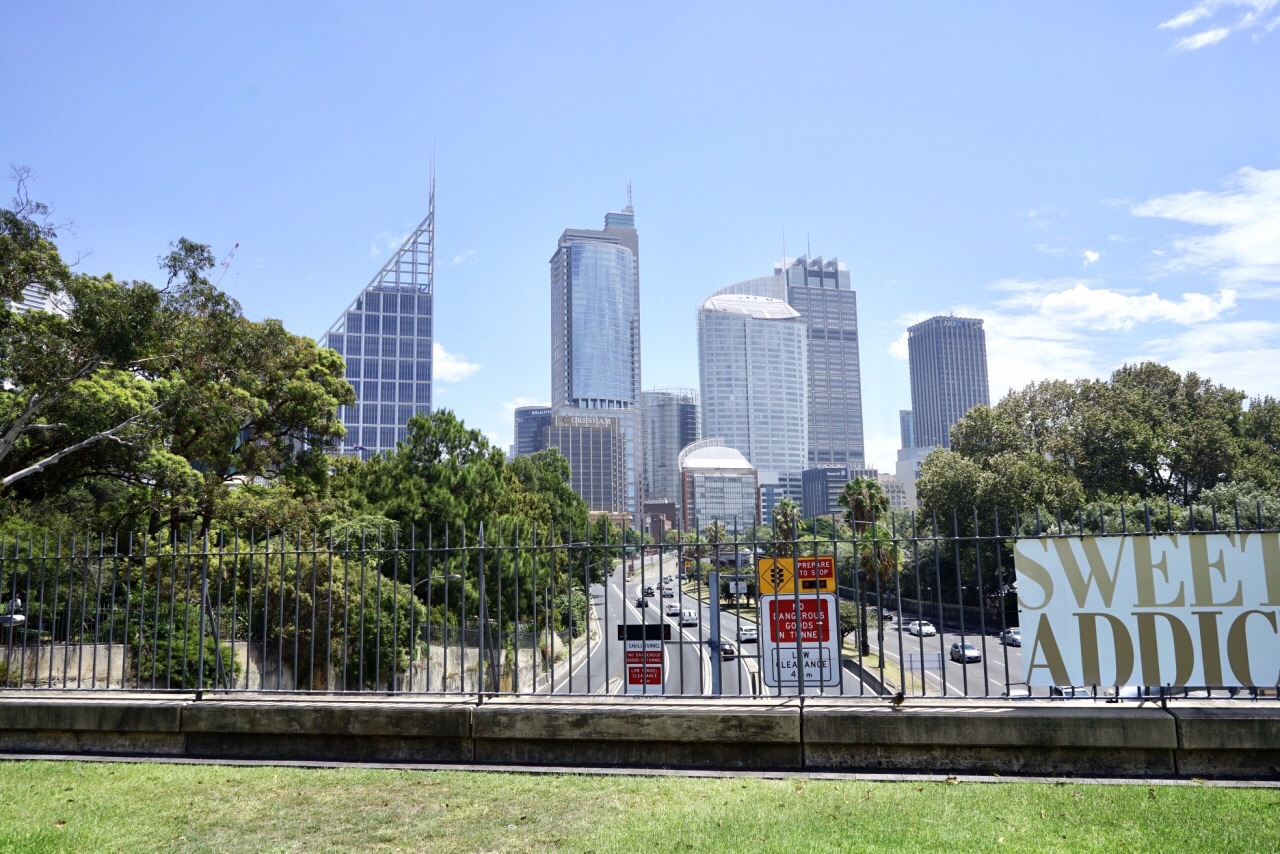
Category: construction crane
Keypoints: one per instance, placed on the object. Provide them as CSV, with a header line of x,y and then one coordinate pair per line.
x,y
226,262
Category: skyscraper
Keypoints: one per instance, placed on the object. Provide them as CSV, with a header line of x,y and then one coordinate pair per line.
x,y
385,336
948,358
670,420
753,367
531,426
821,292
595,350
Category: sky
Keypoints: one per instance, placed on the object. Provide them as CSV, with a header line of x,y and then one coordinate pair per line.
x,y
1098,181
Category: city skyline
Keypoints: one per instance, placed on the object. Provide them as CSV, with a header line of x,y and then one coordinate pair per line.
x,y
1100,183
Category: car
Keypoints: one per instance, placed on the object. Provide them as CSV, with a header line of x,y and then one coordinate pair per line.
x,y
1068,692
642,602
1017,691
1136,692
667,579
648,591
668,593
747,634
672,609
728,650
921,628
965,652
886,614
1011,637
688,617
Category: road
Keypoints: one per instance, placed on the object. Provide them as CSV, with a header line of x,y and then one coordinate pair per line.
x,y
1000,666
688,655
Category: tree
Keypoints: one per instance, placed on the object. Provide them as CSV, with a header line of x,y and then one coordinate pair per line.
x,y
865,502
786,521
28,256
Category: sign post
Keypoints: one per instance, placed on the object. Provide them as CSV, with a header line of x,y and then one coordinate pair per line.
x,y
803,650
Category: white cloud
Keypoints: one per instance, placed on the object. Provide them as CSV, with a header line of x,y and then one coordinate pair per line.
x,y
1091,257
386,243
1255,14
1187,18
898,349
1100,309
1204,39
463,257
1240,354
1244,248
450,367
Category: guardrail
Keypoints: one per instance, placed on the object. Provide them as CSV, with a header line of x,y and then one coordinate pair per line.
x,y
499,611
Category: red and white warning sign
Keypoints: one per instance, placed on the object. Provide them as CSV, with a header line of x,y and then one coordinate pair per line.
x,y
807,649
644,666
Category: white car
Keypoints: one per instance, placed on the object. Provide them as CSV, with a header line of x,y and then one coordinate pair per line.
x,y
1011,637
921,628
672,609
747,634
688,618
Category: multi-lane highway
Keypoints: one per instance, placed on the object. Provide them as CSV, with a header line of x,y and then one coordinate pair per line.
x,y
689,656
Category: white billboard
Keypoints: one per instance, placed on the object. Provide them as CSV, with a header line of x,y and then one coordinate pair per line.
x,y
1151,609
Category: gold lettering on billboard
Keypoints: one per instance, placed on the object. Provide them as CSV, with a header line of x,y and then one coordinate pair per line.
x,y
1144,569
1202,581
1097,570
1030,570
1271,567
1157,609
1089,653
1184,656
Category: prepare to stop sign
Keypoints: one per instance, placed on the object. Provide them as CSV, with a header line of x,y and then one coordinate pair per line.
x,y
815,620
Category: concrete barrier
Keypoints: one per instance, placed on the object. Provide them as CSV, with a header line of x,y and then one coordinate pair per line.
x,y
1001,738
1236,739
668,733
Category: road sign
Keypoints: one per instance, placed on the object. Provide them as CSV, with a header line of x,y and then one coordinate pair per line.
x,y
815,620
923,661
808,647
780,575
644,666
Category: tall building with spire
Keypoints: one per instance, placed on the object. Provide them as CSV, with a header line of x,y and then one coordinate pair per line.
x,y
595,362
385,336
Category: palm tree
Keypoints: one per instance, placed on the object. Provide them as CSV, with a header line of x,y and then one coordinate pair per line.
x,y
879,560
786,521
865,502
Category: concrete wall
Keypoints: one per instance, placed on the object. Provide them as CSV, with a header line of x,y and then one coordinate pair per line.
x,y
1236,739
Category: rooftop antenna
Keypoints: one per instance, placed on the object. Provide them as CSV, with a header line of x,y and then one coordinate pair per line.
x,y
808,252
628,195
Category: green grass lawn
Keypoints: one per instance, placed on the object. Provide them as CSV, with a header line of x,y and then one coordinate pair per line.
x,y
70,806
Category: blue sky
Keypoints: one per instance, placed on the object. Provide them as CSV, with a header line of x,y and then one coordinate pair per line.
x,y
1100,181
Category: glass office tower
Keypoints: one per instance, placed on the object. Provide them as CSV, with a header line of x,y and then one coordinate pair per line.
x,y
531,426
595,350
820,290
753,367
948,359
671,420
385,337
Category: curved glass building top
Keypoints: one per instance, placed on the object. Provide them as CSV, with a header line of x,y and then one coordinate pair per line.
x,y
753,365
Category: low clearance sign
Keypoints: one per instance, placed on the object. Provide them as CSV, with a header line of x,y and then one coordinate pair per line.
x,y
1174,609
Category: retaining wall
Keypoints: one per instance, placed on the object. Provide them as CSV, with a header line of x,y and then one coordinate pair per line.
x,y
1236,739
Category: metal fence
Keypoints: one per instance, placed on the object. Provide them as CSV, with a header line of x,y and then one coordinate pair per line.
x,y
507,611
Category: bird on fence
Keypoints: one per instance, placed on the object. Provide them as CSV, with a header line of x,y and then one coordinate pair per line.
x,y
898,700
